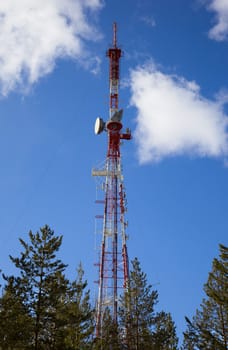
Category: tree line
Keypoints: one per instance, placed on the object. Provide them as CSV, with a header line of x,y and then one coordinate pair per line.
x,y
41,309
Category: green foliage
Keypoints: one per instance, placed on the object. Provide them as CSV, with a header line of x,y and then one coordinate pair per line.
x,y
15,321
41,283
209,327
77,314
164,332
40,308
110,334
144,329
138,313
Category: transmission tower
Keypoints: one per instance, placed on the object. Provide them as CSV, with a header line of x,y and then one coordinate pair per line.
x,y
113,260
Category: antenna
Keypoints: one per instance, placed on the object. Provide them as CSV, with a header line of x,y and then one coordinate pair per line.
x,y
114,54
114,35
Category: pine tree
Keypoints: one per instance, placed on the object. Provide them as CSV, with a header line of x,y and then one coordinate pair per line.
x,y
15,321
40,284
142,327
209,328
137,310
110,335
40,308
77,315
164,332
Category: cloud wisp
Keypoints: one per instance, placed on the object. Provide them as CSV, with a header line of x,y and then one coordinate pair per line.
x,y
33,34
174,119
219,31
148,20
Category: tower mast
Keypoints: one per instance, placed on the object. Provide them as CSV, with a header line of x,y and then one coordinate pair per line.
x,y
113,260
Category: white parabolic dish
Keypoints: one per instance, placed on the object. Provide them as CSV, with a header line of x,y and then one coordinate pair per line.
x,y
99,126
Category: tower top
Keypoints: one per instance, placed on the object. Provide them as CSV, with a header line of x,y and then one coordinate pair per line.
x,y
114,124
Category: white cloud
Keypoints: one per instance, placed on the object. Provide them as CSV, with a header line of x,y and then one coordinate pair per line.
x,y
34,33
149,20
220,30
174,119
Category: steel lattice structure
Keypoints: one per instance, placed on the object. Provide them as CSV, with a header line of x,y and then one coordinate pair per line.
x,y
113,263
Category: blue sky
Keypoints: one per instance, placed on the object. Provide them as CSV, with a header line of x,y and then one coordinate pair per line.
x,y
174,92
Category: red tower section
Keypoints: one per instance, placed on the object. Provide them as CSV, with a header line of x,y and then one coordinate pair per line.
x,y
113,261
114,54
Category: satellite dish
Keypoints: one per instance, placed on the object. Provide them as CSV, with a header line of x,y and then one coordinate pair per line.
x,y
99,126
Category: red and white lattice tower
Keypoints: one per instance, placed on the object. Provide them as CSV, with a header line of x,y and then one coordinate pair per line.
x,y
113,263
